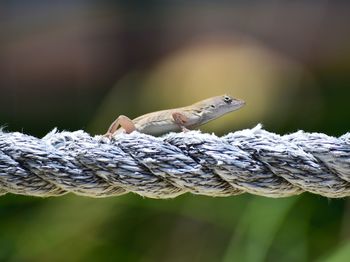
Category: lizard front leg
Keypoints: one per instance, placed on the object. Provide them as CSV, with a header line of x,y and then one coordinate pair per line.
x,y
181,120
123,121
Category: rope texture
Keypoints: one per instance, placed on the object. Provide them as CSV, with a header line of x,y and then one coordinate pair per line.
x,y
251,160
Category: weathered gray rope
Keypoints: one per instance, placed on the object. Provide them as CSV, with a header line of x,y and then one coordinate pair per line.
x,y
251,160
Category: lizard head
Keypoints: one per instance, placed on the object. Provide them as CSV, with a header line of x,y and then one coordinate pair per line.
x,y
217,106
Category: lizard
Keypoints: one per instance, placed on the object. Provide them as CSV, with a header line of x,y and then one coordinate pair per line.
x,y
177,119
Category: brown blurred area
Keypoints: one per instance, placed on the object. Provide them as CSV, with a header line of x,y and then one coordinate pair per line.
x,y
78,64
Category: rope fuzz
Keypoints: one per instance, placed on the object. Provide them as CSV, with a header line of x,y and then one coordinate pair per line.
x,y
251,160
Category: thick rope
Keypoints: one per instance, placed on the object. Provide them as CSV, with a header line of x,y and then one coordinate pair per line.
x,y
251,160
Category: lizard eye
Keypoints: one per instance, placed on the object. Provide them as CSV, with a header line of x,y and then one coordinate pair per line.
x,y
227,99
212,106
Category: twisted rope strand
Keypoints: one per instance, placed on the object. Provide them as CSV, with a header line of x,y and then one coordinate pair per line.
x,y
251,160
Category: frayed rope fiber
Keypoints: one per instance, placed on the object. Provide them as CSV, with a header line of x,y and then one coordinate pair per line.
x,y
252,160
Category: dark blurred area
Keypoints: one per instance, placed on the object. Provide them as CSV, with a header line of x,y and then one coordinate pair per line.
x,y
79,64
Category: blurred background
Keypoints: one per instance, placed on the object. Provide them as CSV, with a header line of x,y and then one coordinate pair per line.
x,y
79,64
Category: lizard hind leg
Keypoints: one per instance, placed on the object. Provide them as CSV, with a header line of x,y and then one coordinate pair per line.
x,y
123,121
181,120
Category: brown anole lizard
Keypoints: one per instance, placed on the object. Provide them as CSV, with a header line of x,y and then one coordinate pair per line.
x,y
178,119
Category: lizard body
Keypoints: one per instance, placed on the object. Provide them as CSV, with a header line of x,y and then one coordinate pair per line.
x,y
178,119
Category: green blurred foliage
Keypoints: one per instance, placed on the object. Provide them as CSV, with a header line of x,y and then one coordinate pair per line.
x,y
80,65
